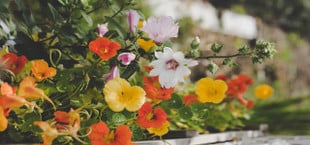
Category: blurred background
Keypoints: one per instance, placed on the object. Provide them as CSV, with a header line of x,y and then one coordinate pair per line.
x,y
237,22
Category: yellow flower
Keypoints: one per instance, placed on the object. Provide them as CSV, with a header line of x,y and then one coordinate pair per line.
x,y
3,120
27,89
263,91
160,131
145,45
120,95
209,90
41,71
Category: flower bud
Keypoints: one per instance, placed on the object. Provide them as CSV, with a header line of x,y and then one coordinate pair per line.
x,y
102,29
195,43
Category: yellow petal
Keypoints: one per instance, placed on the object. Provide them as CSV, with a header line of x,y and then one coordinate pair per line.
x,y
160,131
209,90
135,98
263,91
49,133
145,45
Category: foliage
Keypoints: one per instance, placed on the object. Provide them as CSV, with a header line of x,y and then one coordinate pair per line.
x,y
85,78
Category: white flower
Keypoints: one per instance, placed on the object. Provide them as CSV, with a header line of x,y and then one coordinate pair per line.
x,y
161,29
171,67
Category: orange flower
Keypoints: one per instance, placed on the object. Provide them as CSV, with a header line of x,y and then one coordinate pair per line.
x,y
101,135
41,71
61,116
14,63
154,90
3,120
9,100
263,91
189,99
247,103
149,118
238,85
28,90
105,48
49,133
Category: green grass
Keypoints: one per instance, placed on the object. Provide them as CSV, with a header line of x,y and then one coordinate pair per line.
x,y
286,116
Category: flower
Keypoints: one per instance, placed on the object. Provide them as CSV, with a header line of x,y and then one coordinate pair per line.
x,y
147,117
49,133
114,73
101,135
61,116
119,94
171,67
27,89
105,48
133,19
161,29
102,29
160,131
235,87
189,99
3,120
209,90
263,91
9,100
154,90
126,57
41,71
247,103
146,45
13,62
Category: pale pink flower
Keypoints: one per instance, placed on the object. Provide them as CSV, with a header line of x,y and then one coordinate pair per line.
x,y
171,67
102,29
126,58
114,73
133,19
161,29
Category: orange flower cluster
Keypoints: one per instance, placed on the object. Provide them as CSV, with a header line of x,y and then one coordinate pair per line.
x,y
100,134
105,48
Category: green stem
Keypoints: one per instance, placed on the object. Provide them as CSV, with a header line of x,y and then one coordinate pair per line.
x,y
223,56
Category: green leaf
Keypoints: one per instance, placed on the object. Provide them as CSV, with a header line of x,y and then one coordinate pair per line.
x,y
118,119
185,112
53,11
87,18
130,70
175,101
120,30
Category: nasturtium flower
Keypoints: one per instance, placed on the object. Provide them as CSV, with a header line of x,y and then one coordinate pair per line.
x,y
119,94
102,29
27,89
13,62
161,29
171,67
154,90
247,103
235,87
159,131
189,99
209,90
41,70
126,58
263,91
147,117
3,120
133,20
146,45
100,134
103,47
49,133
9,100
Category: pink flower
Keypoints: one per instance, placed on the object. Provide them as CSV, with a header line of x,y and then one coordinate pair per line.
x,y
133,19
114,73
161,29
102,29
126,58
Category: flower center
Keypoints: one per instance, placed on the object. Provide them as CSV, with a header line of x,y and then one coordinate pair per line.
x,y
149,116
104,50
108,137
172,64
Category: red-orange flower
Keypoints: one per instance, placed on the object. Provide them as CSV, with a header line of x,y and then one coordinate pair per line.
x,y
61,116
101,135
247,103
189,99
235,87
14,63
103,47
148,118
154,90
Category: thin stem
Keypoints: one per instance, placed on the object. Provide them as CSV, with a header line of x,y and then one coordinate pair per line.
x,y
223,56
